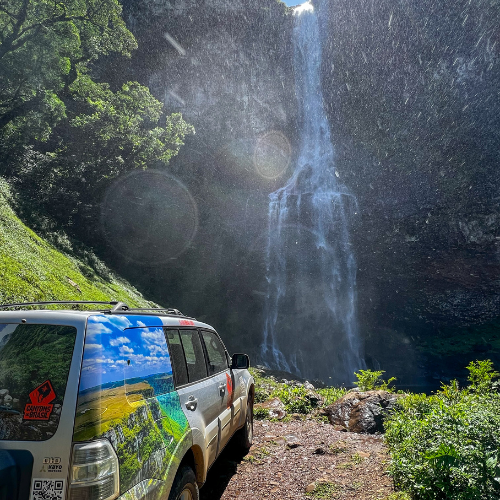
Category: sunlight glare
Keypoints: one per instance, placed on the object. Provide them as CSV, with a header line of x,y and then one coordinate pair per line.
x,y
304,7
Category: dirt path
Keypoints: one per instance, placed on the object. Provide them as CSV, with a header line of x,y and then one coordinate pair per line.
x,y
289,458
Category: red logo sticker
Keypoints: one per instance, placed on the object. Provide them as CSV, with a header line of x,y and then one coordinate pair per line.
x,y
40,407
230,395
186,322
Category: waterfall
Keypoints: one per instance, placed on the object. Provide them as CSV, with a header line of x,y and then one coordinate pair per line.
x,y
310,314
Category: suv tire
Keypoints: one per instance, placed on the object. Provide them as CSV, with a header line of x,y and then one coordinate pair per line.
x,y
184,486
244,436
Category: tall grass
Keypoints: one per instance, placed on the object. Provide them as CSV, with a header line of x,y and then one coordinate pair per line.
x,y
33,270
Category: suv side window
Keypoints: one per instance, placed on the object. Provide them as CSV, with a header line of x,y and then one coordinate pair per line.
x,y
216,353
177,356
193,353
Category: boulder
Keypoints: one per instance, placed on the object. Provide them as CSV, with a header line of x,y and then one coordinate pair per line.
x,y
362,412
292,441
314,398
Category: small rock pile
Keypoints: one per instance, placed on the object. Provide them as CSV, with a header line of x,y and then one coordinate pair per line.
x,y
276,408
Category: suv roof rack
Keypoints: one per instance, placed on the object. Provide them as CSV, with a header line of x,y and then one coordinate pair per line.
x,y
51,302
118,307
168,310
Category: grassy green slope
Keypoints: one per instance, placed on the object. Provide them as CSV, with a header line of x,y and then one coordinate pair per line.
x,y
33,270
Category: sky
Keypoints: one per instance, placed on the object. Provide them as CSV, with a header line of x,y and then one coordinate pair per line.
x,y
293,3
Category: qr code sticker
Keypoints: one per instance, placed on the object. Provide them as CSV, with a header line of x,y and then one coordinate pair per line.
x,y
48,489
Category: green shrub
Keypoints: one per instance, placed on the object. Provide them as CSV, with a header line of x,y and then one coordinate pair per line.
x,y
399,495
331,394
324,490
264,386
261,395
295,399
260,413
369,380
447,446
481,375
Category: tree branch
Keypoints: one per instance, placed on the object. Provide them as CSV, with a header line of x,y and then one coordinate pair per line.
x,y
18,110
8,40
20,36
10,14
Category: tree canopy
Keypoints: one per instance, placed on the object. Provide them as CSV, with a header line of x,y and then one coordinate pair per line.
x,y
44,47
63,135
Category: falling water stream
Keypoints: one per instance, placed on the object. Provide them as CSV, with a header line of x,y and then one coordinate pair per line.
x,y
310,314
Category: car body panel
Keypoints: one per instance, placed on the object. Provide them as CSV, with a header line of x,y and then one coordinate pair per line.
x,y
51,458
225,392
203,420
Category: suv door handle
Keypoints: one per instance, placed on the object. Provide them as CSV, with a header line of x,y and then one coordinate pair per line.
x,y
222,389
191,403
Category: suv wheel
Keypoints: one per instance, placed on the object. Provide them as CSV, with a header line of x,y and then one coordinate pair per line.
x,y
185,486
245,435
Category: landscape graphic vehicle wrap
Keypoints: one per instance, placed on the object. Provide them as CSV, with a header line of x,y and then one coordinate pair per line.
x,y
127,395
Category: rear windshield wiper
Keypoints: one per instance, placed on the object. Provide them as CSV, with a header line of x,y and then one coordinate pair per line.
x,y
9,411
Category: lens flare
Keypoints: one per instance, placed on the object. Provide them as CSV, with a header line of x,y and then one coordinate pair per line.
x,y
272,154
149,217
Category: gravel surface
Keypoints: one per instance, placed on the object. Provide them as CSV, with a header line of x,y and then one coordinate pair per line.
x,y
291,459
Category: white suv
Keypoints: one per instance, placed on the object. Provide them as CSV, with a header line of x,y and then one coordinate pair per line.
x,y
115,403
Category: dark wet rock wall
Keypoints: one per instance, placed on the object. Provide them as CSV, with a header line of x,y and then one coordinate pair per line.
x,y
227,67
413,102
412,94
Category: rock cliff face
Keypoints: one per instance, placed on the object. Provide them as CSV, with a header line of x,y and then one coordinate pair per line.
x,y
411,93
413,102
227,66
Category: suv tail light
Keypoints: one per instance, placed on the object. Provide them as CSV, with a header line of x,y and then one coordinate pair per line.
x,y
94,471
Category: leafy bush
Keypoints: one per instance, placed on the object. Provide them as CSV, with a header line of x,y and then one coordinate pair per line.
x,y
447,446
261,395
264,386
369,380
481,375
294,396
296,399
331,394
260,413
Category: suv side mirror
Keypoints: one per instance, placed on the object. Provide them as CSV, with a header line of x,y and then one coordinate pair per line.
x,y
240,361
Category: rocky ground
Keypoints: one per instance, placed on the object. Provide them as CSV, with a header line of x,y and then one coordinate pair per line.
x,y
301,460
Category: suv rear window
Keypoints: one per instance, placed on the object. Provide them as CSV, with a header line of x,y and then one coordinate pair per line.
x,y
34,367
